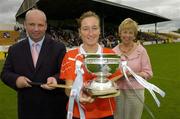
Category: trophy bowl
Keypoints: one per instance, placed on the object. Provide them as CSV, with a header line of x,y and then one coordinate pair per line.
x,y
102,65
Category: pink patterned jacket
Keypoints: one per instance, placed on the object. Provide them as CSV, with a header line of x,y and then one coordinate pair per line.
x,y
138,60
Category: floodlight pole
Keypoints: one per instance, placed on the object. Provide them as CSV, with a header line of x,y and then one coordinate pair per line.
x,y
155,28
102,24
156,33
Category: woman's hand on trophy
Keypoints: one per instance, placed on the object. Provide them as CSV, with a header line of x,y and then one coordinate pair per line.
x,y
85,98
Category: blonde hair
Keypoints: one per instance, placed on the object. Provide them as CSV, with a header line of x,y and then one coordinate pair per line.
x,y
128,23
87,14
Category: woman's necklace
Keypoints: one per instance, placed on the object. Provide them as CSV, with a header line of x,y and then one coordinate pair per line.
x,y
126,49
93,49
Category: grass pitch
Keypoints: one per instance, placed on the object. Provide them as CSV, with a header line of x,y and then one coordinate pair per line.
x,y
165,59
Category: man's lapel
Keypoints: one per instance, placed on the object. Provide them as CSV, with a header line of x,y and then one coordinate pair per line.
x,y
27,54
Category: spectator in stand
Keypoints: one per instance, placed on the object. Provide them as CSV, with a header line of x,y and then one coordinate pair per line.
x,y
128,104
31,65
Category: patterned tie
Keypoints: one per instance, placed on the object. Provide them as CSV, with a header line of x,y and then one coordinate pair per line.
x,y
35,53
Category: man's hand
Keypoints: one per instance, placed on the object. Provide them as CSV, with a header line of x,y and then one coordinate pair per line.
x,y
50,80
22,82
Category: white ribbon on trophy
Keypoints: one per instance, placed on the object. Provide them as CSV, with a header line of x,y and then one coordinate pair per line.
x,y
150,87
75,91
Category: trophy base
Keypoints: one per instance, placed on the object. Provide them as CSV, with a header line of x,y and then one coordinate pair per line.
x,y
109,95
102,90
103,94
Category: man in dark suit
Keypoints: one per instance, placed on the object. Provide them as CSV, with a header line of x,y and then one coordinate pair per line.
x,y
30,78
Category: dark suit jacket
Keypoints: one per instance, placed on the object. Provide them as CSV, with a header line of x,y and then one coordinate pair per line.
x,y
35,102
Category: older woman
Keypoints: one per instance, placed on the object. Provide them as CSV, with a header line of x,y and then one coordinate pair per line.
x,y
89,31
128,104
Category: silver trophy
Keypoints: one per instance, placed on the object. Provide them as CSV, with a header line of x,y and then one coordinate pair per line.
x,y
102,65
